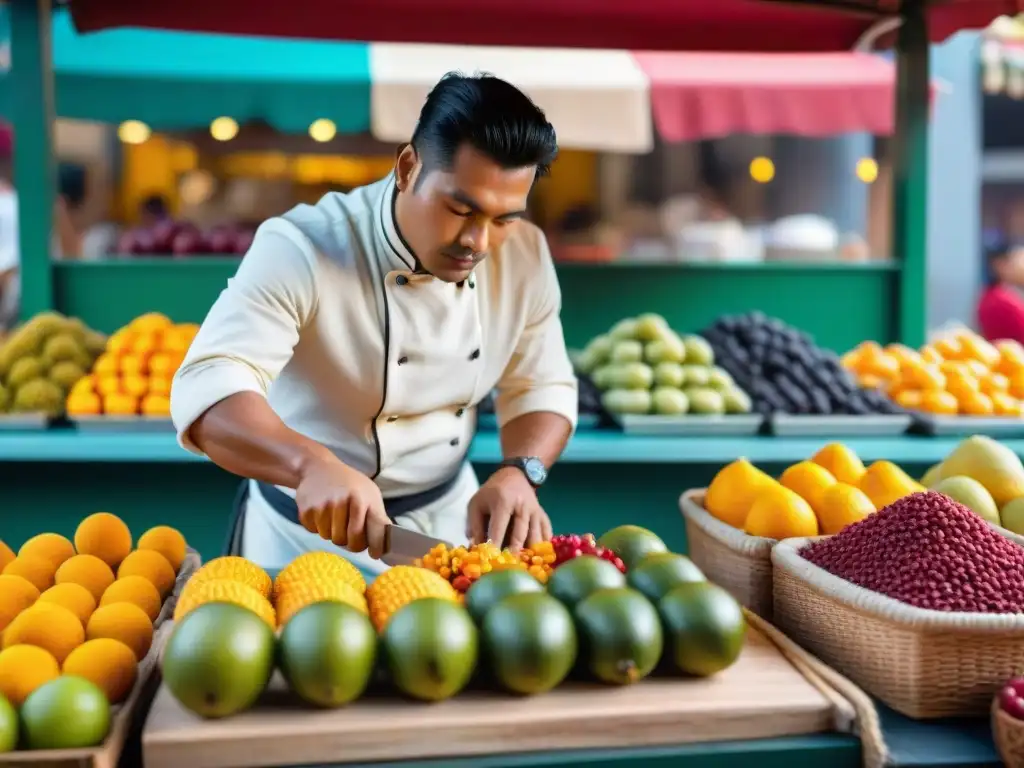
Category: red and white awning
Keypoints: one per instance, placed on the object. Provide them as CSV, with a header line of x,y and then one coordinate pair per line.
x,y
604,100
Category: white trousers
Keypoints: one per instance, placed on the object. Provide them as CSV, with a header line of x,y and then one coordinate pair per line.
x,y
271,541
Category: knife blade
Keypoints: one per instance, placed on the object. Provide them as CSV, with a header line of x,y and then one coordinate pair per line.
x,y
402,546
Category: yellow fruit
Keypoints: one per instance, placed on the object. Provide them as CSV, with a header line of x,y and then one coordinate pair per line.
x,y
125,622
137,590
151,565
33,569
733,491
48,626
151,322
48,546
6,556
74,597
106,536
399,586
318,565
842,463
843,505
236,569
883,482
16,594
89,571
781,514
810,481
308,593
992,464
108,663
23,668
197,593
168,542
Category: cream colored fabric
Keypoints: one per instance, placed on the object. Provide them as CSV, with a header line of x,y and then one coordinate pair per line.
x,y
596,99
327,319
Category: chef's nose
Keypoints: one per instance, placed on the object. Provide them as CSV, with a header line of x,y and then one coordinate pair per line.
x,y
474,236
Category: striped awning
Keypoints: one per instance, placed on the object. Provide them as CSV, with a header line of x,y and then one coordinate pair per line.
x,y
604,100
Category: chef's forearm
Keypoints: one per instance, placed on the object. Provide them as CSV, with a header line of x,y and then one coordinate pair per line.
x,y
541,433
244,436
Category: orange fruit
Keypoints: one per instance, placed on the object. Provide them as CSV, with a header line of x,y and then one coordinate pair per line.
x,y
83,404
135,385
1011,354
841,462
48,626
106,365
871,381
108,663
23,668
156,405
146,344
1005,405
976,404
949,348
104,535
994,382
16,594
108,385
133,365
809,481
6,555
935,401
925,376
1017,384
843,505
903,354
909,398
150,322
151,565
137,590
120,343
977,348
74,597
85,385
159,386
978,369
779,513
49,546
930,355
121,405
168,541
36,570
88,571
165,364
125,622
884,366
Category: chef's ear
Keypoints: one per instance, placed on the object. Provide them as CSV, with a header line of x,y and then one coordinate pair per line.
x,y
406,165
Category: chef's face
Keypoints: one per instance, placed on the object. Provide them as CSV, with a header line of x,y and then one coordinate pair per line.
x,y
453,218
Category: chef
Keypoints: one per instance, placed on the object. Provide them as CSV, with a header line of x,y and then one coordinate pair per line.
x,y
340,369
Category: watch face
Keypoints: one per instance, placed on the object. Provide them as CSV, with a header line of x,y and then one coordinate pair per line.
x,y
535,471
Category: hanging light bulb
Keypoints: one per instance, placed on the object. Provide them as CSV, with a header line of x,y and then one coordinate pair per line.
x,y
322,130
867,170
133,132
223,129
762,170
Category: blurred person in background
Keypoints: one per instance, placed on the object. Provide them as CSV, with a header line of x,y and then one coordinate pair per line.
x,y
1001,307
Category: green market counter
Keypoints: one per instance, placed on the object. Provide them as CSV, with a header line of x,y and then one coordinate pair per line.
x,y
51,479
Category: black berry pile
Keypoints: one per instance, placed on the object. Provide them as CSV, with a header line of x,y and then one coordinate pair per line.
x,y
784,371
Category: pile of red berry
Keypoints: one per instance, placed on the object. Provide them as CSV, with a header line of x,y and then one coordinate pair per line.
x,y
569,546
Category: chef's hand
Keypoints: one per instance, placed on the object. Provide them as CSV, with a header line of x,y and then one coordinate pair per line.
x,y
506,511
343,506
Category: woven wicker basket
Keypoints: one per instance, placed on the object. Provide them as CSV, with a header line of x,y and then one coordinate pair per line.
x,y
922,663
1008,734
736,561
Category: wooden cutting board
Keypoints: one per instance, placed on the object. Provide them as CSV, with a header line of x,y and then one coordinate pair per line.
x,y
761,696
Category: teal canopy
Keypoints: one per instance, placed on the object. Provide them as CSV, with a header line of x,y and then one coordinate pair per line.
x,y
183,80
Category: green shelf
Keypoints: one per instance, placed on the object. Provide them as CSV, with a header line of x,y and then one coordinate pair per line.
x,y
589,447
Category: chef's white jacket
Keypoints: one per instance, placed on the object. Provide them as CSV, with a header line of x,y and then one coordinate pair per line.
x,y
327,319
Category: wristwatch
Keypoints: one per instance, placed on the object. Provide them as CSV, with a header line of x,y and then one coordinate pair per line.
x,y
534,469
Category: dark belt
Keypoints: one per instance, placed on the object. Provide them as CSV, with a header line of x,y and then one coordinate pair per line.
x,y
395,507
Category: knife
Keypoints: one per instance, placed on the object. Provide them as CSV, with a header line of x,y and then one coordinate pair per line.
x,y
402,546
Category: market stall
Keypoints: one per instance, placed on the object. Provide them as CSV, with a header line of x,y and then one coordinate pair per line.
x,y
150,465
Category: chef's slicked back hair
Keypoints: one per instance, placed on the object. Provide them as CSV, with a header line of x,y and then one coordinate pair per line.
x,y
489,114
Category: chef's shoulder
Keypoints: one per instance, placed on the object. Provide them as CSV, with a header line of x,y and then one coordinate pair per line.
x,y
324,235
524,260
